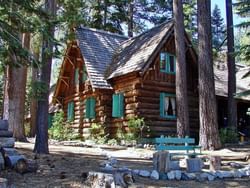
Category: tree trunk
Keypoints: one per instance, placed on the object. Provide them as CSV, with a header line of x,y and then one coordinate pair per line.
x,y
181,75
209,135
232,106
17,95
130,18
6,94
33,104
41,143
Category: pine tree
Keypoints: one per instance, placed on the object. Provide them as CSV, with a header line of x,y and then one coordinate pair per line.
x,y
190,19
218,28
181,75
209,134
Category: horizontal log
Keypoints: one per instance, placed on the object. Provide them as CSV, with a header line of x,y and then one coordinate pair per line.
x,y
4,125
11,160
23,166
7,142
4,133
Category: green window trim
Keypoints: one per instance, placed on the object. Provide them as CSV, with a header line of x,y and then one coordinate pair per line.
x,y
90,104
165,60
118,105
71,111
162,105
76,76
84,74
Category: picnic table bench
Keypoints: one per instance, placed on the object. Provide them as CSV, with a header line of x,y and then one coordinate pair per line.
x,y
178,144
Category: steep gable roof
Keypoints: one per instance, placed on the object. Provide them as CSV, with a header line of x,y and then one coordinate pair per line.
x,y
97,48
136,53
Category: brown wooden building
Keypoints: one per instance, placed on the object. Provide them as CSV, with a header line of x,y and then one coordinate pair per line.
x,y
106,78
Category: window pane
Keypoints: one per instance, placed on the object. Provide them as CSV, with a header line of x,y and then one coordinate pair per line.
x,y
163,61
171,63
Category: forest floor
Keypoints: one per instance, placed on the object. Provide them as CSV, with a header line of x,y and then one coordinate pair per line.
x,y
65,166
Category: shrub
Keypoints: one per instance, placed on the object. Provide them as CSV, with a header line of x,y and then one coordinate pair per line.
x,y
97,133
228,135
137,126
61,130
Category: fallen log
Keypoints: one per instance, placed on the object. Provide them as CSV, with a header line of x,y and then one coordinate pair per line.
x,y
4,124
9,151
5,133
24,165
7,142
10,161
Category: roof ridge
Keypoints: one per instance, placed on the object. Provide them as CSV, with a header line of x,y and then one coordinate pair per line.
x,y
132,38
102,31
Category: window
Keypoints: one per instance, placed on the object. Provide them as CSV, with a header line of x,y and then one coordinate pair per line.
x,y
167,63
84,74
76,76
90,108
168,105
70,112
118,105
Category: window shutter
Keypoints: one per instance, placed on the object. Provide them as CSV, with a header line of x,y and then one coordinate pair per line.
x,y
84,74
76,76
87,108
115,105
92,108
162,96
121,104
70,112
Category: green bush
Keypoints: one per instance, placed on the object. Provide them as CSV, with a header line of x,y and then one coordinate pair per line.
x,y
228,135
97,133
61,130
137,127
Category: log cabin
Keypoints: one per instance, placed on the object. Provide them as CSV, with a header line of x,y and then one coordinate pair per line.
x,y
107,78
242,95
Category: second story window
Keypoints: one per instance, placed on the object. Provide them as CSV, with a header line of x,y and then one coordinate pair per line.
x,y
167,63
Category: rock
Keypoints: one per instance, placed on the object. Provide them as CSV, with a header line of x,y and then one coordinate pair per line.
x,y
135,172
201,177
184,176
237,174
191,176
174,165
243,172
103,163
163,176
236,165
177,174
108,167
113,161
154,175
171,175
224,174
247,172
207,176
144,173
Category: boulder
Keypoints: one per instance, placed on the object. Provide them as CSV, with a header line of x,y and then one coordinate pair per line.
x,y
224,174
177,174
171,175
144,173
154,175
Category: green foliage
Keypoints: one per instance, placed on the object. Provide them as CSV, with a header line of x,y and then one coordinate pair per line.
x,y
97,133
243,10
112,142
228,135
218,28
60,129
190,18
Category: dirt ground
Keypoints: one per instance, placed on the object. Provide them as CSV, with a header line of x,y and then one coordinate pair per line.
x,y
65,166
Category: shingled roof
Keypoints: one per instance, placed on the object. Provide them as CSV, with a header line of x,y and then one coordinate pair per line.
x,y
221,80
136,53
97,48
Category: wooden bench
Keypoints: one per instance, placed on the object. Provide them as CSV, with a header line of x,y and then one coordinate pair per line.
x,y
178,144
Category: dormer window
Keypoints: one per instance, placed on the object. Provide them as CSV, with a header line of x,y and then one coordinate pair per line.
x,y
167,63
